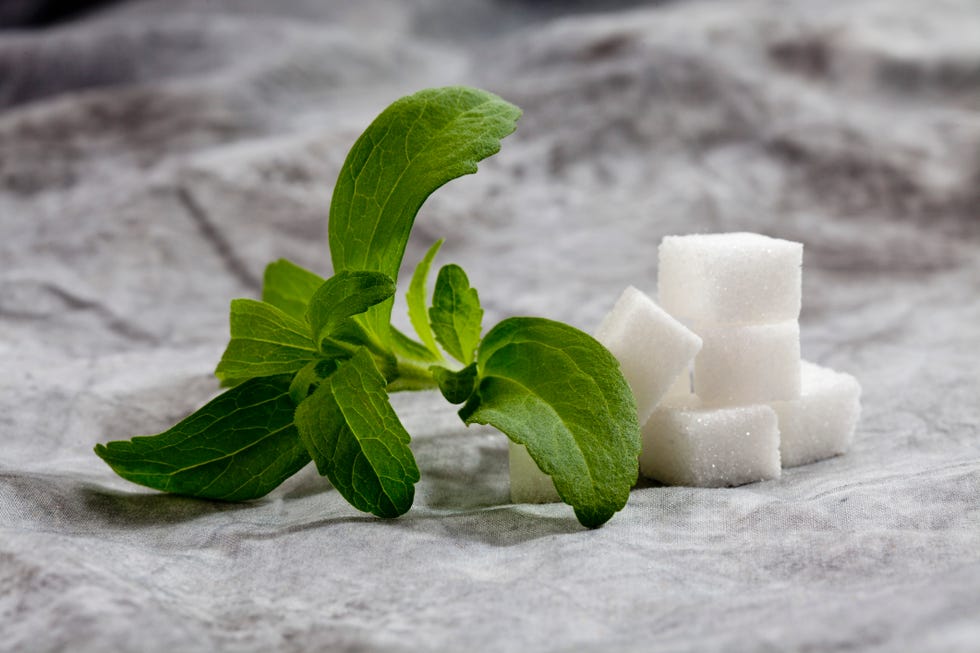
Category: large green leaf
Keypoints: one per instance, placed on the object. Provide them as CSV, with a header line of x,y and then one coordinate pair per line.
x,y
357,441
264,342
415,146
558,392
289,287
239,446
456,315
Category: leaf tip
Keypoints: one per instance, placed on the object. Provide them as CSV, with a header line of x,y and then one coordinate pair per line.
x,y
592,521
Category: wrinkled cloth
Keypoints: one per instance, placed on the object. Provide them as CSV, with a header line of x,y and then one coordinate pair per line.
x,y
155,155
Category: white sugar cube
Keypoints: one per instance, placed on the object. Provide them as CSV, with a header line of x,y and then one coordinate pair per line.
x,y
730,278
685,443
748,364
681,387
821,423
652,347
528,484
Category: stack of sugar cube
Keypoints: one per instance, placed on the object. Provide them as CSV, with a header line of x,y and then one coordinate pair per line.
x,y
729,323
756,407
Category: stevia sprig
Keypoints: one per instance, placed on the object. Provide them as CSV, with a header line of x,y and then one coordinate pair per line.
x,y
311,365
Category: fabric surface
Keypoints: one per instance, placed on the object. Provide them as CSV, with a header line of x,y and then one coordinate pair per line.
x,y
156,155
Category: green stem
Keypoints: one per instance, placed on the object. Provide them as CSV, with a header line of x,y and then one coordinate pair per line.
x,y
412,375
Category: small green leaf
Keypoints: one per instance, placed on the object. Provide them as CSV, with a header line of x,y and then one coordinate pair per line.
x,y
357,441
289,287
343,296
417,300
307,379
558,392
412,148
239,446
455,386
265,341
405,347
456,315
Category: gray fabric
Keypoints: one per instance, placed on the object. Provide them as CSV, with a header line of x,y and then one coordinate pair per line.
x,y
156,155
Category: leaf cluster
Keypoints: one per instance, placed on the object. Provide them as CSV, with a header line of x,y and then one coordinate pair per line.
x,y
309,368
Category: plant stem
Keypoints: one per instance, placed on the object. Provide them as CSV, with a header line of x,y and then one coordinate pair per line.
x,y
412,375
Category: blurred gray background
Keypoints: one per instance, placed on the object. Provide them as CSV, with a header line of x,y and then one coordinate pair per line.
x,y
156,154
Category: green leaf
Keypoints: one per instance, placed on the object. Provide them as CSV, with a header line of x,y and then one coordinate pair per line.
x,y
417,300
456,315
357,441
307,379
239,446
289,287
405,347
455,386
557,391
343,296
412,148
264,342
